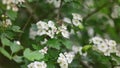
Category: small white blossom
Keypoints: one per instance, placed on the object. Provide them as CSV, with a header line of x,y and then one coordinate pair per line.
x,y
17,42
69,56
76,22
96,40
102,47
44,42
67,20
57,3
44,50
65,34
77,16
37,64
12,4
51,24
65,59
62,61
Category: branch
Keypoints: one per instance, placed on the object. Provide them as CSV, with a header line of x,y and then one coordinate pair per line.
x,y
95,11
59,12
31,11
24,27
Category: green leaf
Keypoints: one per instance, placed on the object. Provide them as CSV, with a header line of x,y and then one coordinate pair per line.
x,y
67,43
54,43
5,53
15,48
11,14
32,55
16,28
17,59
5,41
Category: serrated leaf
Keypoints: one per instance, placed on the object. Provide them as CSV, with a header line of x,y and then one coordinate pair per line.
x,y
54,43
5,41
67,44
5,53
16,28
15,48
17,59
32,55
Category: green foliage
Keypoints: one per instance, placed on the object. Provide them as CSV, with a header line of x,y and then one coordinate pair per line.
x,y
32,55
99,18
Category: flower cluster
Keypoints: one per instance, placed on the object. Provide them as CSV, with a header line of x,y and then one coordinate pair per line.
x,y
65,59
56,3
37,64
51,30
44,50
76,19
105,46
12,4
6,22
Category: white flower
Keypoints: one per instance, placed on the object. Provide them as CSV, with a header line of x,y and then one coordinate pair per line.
x,y
112,43
12,4
41,32
102,47
17,42
62,61
96,40
76,22
37,64
8,22
44,42
44,50
50,33
57,3
77,16
69,56
67,20
51,24
65,34
107,53
42,25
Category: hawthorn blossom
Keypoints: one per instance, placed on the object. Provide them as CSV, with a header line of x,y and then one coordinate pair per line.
x,y
17,42
44,50
37,64
67,20
77,16
65,58
63,30
56,3
12,4
105,46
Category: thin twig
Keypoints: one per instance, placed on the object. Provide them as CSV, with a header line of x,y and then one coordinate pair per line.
x,y
24,27
95,11
59,12
31,11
